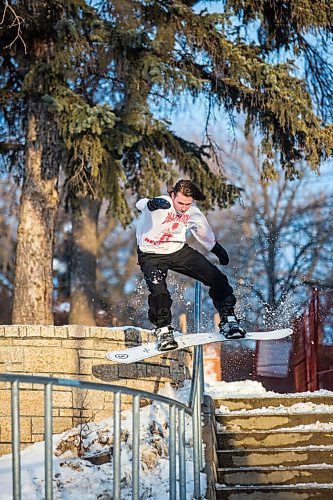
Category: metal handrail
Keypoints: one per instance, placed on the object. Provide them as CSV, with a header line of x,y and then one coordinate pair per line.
x,y
197,365
80,384
196,394
176,409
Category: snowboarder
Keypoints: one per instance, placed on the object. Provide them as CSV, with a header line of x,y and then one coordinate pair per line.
x,y
161,239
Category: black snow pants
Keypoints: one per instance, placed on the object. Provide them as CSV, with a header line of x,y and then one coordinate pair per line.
x,y
188,262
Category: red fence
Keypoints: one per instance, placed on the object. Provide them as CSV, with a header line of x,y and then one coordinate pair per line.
x,y
313,344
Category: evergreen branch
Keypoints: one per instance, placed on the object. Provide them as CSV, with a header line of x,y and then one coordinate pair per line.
x,y
190,3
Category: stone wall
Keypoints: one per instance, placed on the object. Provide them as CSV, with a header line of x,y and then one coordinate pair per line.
x,y
77,352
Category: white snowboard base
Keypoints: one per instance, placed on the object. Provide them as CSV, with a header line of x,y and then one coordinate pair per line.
x,y
148,350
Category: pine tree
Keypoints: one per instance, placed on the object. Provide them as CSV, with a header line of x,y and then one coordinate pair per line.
x,y
82,80
39,69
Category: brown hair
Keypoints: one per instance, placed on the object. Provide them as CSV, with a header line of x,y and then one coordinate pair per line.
x,y
187,188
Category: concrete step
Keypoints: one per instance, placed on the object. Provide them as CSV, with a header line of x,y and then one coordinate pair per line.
x,y
268,448
275,439
270,420
306,491
275,475
302,455
250,403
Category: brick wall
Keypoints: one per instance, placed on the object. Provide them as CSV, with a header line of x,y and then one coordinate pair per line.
x,y
77,352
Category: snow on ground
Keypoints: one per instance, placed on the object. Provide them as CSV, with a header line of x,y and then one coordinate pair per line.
x,y
314,427
75,477
244,388
252,388
268,410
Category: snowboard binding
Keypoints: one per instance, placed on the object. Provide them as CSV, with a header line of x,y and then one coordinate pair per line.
x,y
231,328
229,325
165,338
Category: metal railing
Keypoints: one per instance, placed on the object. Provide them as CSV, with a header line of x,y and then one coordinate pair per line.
x,y
196,394
177,412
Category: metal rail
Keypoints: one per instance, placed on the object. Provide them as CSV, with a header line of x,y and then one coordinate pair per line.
x,y
196,395
177,412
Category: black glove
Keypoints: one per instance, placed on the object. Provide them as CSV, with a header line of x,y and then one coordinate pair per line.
x,y
157,203
221,254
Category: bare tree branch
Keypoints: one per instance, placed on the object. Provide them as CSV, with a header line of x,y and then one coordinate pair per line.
x,y
13,20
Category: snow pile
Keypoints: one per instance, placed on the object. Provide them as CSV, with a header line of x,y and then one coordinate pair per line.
x,y
75,476
314,427
301,408
244,388
252,388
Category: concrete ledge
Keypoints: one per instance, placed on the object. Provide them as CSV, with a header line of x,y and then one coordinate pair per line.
x,y
76,351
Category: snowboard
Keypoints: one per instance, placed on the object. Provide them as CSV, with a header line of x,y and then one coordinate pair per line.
x,y
148,350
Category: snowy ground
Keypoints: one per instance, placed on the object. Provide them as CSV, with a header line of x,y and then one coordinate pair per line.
x,y
252,388
76,477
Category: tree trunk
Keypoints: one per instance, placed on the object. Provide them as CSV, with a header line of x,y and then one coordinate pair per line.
x,y
33,286
83,263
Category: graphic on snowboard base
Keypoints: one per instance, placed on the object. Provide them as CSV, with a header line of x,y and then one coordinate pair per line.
x,y
148,350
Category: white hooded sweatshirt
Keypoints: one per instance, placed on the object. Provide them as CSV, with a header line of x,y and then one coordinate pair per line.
x,y
163,231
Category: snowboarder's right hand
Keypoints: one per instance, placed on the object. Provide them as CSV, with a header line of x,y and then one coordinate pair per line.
x,y
157,203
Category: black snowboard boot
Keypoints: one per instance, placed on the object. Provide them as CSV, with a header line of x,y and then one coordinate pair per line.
x,y
165,338
231,329
229,325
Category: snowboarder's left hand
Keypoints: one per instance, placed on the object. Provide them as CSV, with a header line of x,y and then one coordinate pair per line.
x,y
221,254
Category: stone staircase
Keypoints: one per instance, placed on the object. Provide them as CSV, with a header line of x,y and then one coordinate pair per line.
x,y
277,448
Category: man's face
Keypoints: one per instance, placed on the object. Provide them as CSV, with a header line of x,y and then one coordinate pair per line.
x,y
181,202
